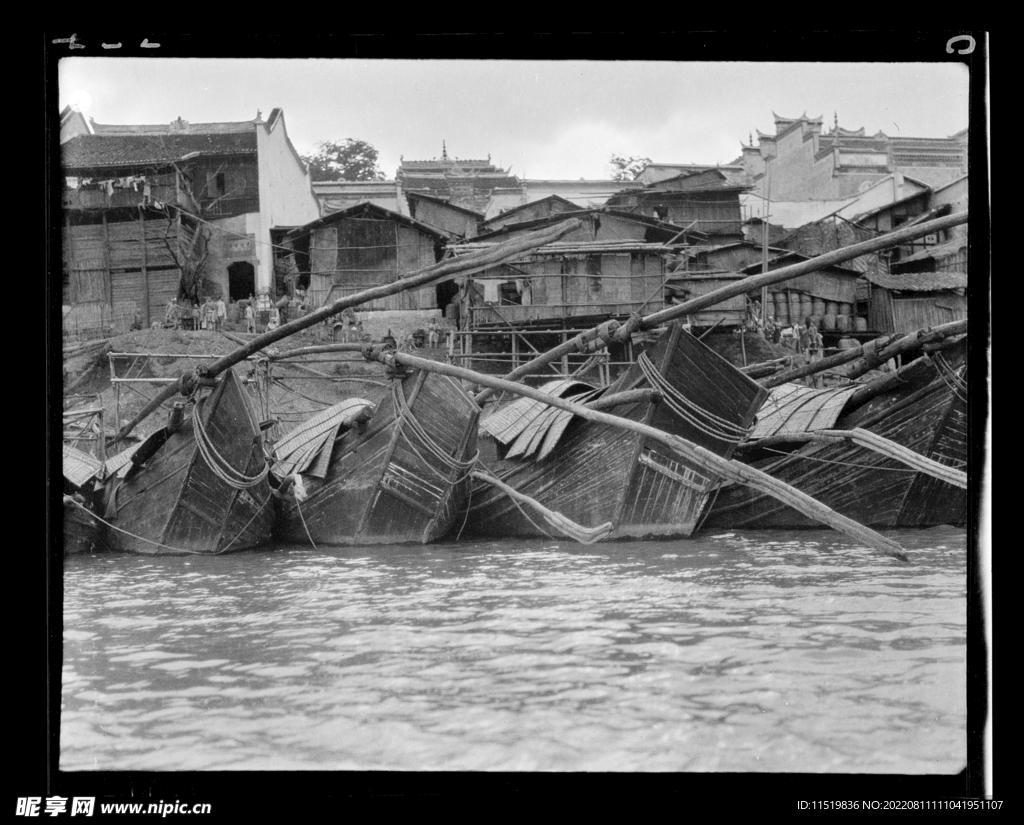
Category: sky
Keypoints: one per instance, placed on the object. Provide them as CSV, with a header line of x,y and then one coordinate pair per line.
x,y
540,119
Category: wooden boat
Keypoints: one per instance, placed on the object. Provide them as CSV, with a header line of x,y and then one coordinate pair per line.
x,y
83,532
595,473
398,476
926,414
197,485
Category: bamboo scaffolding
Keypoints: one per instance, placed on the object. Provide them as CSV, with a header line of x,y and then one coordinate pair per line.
x,y
473,262
741,287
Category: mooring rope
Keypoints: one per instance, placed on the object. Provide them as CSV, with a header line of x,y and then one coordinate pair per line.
x,y
178,550
712,425
216,462
304,527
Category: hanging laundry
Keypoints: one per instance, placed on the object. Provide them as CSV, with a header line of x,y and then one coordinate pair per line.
x,y
491,291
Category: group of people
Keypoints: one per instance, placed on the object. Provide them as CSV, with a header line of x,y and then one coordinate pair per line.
x,y
210,314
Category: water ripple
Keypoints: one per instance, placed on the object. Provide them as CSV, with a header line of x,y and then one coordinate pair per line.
x,y
781,652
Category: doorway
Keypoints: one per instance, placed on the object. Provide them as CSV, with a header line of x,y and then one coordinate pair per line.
x,y
445,292
241,280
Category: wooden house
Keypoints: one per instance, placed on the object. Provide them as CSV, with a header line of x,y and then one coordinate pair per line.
x,y
535,210
564,280
706,201
685,286
155,212
455,221
911,301
366,246
602,225
731,257
552,293
944,257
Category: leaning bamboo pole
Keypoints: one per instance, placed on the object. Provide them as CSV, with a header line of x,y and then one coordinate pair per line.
x,y
707,460
875,443
622,333
473,262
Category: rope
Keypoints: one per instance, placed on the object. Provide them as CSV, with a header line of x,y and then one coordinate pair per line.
x,y
179,550
712,425
403,411
304,527
216,462
842,463
952,377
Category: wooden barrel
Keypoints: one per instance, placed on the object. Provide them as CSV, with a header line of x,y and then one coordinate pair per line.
x,y
815,320
842,323
831,308
860,323
782,313
795,310
828,321
845,309
818,307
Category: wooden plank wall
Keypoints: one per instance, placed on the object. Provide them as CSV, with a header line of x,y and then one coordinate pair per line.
x,y
910,314
124,266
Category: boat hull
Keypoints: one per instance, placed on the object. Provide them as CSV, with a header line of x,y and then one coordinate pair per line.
x,y
83,532
384,485
174,502
862,484
599,473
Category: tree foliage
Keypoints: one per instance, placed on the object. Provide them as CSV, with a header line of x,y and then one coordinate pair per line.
x,y
346,159
626,168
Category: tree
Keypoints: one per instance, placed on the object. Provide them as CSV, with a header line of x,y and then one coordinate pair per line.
x,y
346,159
627,168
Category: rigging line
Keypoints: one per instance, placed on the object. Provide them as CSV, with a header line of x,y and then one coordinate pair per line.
x,y
304,527
842,463
179,550
216,462
281,383
238,534
672,397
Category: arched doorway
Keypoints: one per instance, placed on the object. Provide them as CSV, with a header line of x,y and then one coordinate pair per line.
x,y
445,292
241,280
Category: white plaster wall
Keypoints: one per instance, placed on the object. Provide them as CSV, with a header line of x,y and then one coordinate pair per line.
x,y
286,195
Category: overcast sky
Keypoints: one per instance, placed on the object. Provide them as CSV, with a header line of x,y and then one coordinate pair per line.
x,y
544,119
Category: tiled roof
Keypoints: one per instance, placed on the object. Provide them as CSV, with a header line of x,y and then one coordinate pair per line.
x,y
111,150
368,208
920,281
181,127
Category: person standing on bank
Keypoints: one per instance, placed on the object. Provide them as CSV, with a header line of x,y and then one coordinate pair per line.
x,y
434,329
221,313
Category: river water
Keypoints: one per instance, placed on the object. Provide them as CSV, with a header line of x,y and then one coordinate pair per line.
x,y
783,651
